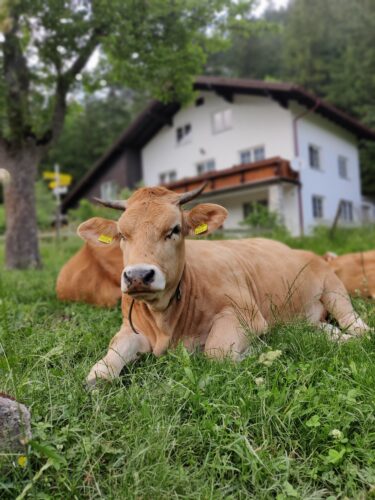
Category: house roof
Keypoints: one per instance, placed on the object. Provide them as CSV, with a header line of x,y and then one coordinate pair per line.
x,y
283,93
156,115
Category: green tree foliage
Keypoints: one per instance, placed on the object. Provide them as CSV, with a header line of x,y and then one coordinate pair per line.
x,y
253,55
156,45
91,126
327,46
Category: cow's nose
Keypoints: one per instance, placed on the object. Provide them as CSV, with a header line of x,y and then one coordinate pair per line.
x,y
127,278
146,276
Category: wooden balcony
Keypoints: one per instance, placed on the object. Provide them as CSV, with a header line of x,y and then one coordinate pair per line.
x,y
240,176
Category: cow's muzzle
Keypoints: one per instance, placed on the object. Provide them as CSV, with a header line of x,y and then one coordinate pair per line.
x,y
142,278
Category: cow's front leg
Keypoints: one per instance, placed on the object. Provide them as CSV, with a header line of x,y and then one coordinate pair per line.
x,y
229,338
124,347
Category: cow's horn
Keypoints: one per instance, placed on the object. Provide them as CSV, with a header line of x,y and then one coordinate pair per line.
x,y
116,204
190,195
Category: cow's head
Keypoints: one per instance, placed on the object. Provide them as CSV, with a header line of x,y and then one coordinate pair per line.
x,y
151,231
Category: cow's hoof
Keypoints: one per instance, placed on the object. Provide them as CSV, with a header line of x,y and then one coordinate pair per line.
x,y
333,331
90,384
359,328
344,337
99,375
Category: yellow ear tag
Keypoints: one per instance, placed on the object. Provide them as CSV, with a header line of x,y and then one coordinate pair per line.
x,y
202,228
104,238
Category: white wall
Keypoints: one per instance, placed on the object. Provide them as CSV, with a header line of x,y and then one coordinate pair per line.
x,y
332,141
260,121
256,121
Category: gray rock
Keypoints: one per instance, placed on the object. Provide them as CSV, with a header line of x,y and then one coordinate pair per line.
x,y
15,428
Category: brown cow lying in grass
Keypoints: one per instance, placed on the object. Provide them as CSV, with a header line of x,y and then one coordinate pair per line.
x,y
92,275
356,271
204,292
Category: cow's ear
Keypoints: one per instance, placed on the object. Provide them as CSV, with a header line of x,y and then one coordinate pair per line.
x,y
98,231
204,218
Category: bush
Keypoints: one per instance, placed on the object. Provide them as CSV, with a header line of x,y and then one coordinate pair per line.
x,y
262,220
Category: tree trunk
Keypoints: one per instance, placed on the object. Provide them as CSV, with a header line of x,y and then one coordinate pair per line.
x,y
21,238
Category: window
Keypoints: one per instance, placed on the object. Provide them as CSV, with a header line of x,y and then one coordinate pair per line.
x,y
259,153
248,208
166,177
205,166
222,120
343,167
250,155
314,157
108,190
317,206
245,156
346,210
183,134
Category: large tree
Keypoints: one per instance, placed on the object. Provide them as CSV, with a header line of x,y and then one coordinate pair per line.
x,y
158,45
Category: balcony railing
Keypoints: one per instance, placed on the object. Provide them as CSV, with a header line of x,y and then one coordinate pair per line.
x,y
244,175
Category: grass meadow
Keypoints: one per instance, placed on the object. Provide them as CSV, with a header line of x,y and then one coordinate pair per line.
x,y
180,426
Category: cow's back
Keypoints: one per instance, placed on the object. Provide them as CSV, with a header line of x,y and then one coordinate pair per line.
x,y
357,272
92,275
278,278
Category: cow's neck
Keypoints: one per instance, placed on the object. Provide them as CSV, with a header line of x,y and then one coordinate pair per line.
x,y
167,327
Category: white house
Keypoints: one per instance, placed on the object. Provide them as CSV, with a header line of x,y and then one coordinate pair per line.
x,y
272,143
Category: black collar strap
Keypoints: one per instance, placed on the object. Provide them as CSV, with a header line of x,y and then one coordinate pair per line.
x,y
177,295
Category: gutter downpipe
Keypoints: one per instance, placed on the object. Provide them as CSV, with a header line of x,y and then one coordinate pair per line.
x,y
296,153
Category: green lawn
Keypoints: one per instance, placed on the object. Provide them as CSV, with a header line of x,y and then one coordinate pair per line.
x,y
181,425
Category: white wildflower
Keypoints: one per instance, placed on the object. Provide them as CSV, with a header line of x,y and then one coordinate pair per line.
x,y
267,358
259,381
336,434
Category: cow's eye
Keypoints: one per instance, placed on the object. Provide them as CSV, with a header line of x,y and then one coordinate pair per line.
x,y
175,231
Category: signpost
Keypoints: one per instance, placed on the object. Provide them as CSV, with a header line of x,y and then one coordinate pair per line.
x,y
59,184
